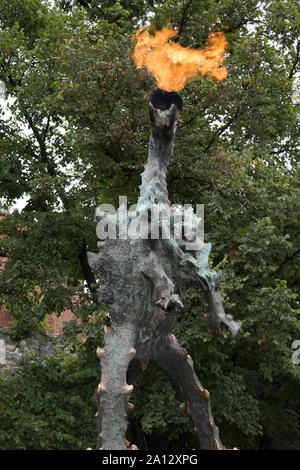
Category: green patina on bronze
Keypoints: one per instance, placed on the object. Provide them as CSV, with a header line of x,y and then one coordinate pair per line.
x,y
143,281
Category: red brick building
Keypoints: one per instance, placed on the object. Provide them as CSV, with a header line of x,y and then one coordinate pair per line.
x,y
6,318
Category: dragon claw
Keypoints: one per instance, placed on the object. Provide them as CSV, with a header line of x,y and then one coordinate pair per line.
x,y
170,303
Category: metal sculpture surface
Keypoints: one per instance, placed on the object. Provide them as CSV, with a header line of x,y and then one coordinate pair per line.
x,y
143,280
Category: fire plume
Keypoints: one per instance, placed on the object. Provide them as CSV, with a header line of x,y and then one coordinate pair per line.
x,y
173,65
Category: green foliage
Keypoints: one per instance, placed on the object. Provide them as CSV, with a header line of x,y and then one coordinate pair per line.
x,y
159,415
47,404
77,137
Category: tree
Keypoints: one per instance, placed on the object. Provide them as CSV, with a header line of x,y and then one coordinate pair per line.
x,y
77,137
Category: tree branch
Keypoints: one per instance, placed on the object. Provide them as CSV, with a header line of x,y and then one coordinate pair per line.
x,y
183,18
87,272
287,261
41,141
296,61
223,128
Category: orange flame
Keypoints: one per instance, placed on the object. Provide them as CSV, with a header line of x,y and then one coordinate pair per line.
x,y
173,65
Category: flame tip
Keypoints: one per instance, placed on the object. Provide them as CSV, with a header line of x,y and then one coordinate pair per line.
x,y
173,65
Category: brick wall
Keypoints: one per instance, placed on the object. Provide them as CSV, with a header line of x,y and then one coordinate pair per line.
x,y
55,323
5,317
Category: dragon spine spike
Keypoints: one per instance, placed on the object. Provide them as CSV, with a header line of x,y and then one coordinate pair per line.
x,y
132,351
127,388
107,330
217,445
130,407
133,447
100,352
101,388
